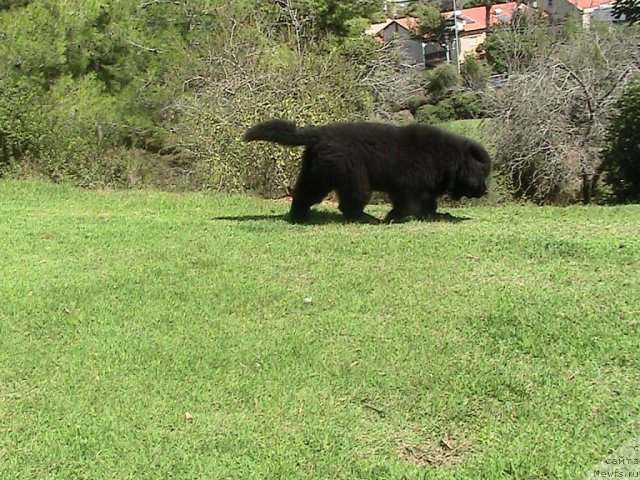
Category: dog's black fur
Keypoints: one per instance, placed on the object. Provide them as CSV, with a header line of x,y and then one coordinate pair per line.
x,y
413,164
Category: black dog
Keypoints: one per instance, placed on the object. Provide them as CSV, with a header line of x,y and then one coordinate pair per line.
x,y
413,164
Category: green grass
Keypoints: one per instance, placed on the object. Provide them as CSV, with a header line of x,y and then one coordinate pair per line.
x,y
474,128
503,346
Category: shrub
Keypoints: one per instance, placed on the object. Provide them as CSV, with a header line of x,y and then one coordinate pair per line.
x,y
621,157
475,73
551,120
441,80
23,121
304,88
415,102
466,105
432,114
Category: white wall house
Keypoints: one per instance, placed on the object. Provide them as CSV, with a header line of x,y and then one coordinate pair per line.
x,y
585,11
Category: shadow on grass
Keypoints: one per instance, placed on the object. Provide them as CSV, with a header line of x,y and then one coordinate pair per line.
x,y
323,217
446,217
315,218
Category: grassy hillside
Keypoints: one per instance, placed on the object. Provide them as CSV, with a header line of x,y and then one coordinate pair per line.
x,y
148,335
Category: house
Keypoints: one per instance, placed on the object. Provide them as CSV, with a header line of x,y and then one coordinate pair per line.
x,y
471,24
405,32
474,23
585,11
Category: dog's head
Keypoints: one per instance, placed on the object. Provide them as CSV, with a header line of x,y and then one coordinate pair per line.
x,y
472,174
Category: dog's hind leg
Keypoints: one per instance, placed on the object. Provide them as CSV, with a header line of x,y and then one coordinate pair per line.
x,y
428,208
404,205
306,194
352,203
308,190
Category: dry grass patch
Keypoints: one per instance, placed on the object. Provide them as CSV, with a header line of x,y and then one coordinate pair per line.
x,y
443,450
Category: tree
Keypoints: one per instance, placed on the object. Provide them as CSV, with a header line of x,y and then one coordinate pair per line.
x,y
629,9
622,154
97,73
514,46
92,88
7,4
475,73
327,16
429,17
441,80
551,118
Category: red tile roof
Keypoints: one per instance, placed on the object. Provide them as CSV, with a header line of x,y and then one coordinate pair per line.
x,y
584,4
476,18
376,28
408,23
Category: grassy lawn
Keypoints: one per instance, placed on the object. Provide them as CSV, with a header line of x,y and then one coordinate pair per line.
x,y
148,335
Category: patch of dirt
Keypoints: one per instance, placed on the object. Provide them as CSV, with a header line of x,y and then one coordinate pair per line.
x,y
444,452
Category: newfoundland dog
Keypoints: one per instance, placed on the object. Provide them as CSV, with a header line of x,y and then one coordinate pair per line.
x,y
413,164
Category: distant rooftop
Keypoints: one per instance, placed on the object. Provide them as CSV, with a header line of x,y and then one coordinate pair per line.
x,y
476,18
586,4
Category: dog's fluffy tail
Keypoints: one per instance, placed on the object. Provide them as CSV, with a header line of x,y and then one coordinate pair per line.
x,y
281,131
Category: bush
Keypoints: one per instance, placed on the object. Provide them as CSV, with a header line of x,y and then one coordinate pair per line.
x,y
441,80
466,105
515,46
432,114
23,121
475,73
108,95
415,102
457,106
621,157
277,82
551,121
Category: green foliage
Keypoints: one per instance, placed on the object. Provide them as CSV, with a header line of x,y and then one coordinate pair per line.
x,y
622,154
97,86
33,43
441,80
101,85
430,19
334,16
475,73
447,103
461,105
100,67
23,123
496,57
571,28
7,4
433,114
513,47
466,105
213,137
415,102
478,3
356,27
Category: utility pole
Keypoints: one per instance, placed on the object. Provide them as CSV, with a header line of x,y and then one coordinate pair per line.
x,y
455,27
